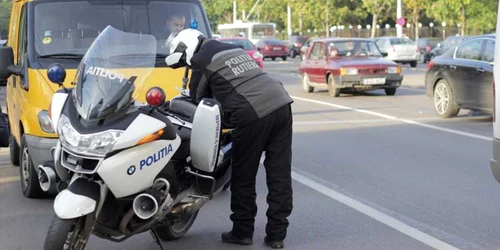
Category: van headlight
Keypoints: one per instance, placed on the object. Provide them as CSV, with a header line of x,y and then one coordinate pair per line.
x,y
97,144
45,122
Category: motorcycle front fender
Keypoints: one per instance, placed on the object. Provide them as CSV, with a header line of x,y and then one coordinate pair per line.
x,y
79,199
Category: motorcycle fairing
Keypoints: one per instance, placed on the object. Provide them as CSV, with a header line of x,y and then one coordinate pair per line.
x,y
79,199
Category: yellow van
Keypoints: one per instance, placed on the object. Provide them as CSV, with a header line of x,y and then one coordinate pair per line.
x,y
43,32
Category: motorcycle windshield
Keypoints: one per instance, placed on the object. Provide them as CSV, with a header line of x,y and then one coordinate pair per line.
x,y
114,65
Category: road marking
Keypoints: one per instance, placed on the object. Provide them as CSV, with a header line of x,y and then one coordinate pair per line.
x,y
389,117
298,123
373,213
413,89
5,180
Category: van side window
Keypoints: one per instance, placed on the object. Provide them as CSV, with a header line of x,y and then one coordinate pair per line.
x,y
22,40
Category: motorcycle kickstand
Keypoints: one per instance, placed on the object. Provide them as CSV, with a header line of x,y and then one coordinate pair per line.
x,y
156,238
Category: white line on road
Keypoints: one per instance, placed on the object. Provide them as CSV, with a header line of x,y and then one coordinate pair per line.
x,y
389,117
373,213
299,123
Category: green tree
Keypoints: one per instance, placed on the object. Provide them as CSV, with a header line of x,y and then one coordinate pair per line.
x,y
218,11
416,9
377,8
5,7
450,11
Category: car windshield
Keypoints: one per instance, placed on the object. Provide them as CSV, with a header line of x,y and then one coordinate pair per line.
x,y
353,48
396,41
70,27
245,44
274,42
108,74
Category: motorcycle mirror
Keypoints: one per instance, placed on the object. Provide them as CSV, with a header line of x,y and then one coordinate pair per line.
x,y
155,97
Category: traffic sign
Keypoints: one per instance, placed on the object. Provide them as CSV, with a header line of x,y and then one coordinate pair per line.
x,y
401,21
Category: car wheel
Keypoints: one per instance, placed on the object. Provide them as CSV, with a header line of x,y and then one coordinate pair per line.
x,y
306,82
390,91
413,64
273,58
444,102
29,176
333,91
284,58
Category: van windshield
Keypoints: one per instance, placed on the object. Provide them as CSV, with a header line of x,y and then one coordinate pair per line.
x,y
69,28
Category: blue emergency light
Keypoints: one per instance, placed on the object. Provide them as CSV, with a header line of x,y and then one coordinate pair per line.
x,y
194,24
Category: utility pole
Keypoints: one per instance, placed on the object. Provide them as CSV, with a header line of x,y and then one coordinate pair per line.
x,y
399,28
289,10
300,23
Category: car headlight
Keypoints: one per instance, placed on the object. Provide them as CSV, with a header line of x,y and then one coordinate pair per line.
x,y
45,122
348,71
394,70
98,144
257,55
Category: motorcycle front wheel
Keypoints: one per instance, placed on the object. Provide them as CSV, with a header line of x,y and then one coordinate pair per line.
x,y
66,234
177,230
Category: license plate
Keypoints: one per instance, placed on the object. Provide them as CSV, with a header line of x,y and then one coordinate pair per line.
x,y
370,81
406,57
277,48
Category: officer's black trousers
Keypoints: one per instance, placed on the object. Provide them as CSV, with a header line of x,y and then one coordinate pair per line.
x,y
272,134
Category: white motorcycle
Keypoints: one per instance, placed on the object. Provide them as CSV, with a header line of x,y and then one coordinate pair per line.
x,y
129,167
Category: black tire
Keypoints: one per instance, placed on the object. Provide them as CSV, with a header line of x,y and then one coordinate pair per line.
x,y
413,64
443,91
284,58
273,58
390,91
14,150
29,176
61,230
178,230
333,91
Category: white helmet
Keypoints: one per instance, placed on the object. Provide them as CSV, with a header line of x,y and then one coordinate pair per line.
x,y
182,48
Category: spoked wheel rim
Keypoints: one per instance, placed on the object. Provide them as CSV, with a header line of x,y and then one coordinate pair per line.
x,y
25,165
441,98
75,240
184,222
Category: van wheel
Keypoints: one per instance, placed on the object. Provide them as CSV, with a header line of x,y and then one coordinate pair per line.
x,y
14,150
29,176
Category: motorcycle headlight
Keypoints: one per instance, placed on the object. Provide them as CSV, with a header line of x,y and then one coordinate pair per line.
x,y
257,55
97,144
394,70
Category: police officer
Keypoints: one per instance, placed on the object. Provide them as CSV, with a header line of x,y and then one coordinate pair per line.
x,y
259,108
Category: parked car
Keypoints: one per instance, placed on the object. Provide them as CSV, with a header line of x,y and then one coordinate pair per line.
x,y
445,45
347,64
272,48
399,49
305,47
246,45
295,43
425,45
463,77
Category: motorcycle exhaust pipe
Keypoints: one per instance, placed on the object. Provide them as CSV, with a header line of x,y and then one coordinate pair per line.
x,y
46,178
145,206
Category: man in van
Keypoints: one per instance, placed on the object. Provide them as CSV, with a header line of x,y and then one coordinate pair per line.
x,y
259,108
175,24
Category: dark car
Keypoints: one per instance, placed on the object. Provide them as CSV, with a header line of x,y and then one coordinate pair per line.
x,y
347,64
448,43
295,43
463,77
425,45
272,48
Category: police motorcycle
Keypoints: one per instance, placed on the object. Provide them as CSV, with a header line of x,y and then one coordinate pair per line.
x,y
130,167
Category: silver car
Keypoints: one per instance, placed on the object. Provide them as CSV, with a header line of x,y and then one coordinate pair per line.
x,y
399,49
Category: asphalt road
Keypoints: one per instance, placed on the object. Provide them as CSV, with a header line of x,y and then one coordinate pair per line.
x,y
370,172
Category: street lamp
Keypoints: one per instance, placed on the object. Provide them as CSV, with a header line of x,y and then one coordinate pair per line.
x,y
387,26
359,26
432,30
368,26
420,25
408,25
444,31
378,26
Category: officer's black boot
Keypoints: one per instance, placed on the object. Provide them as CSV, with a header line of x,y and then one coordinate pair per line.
x,y
228,237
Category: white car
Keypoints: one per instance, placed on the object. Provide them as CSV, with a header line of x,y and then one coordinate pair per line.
x,y
399,49
495,162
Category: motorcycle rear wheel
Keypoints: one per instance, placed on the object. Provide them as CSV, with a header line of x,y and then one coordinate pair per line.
x,y
177,230
66,234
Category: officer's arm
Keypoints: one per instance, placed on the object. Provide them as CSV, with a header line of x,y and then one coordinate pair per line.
x,y
198,86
